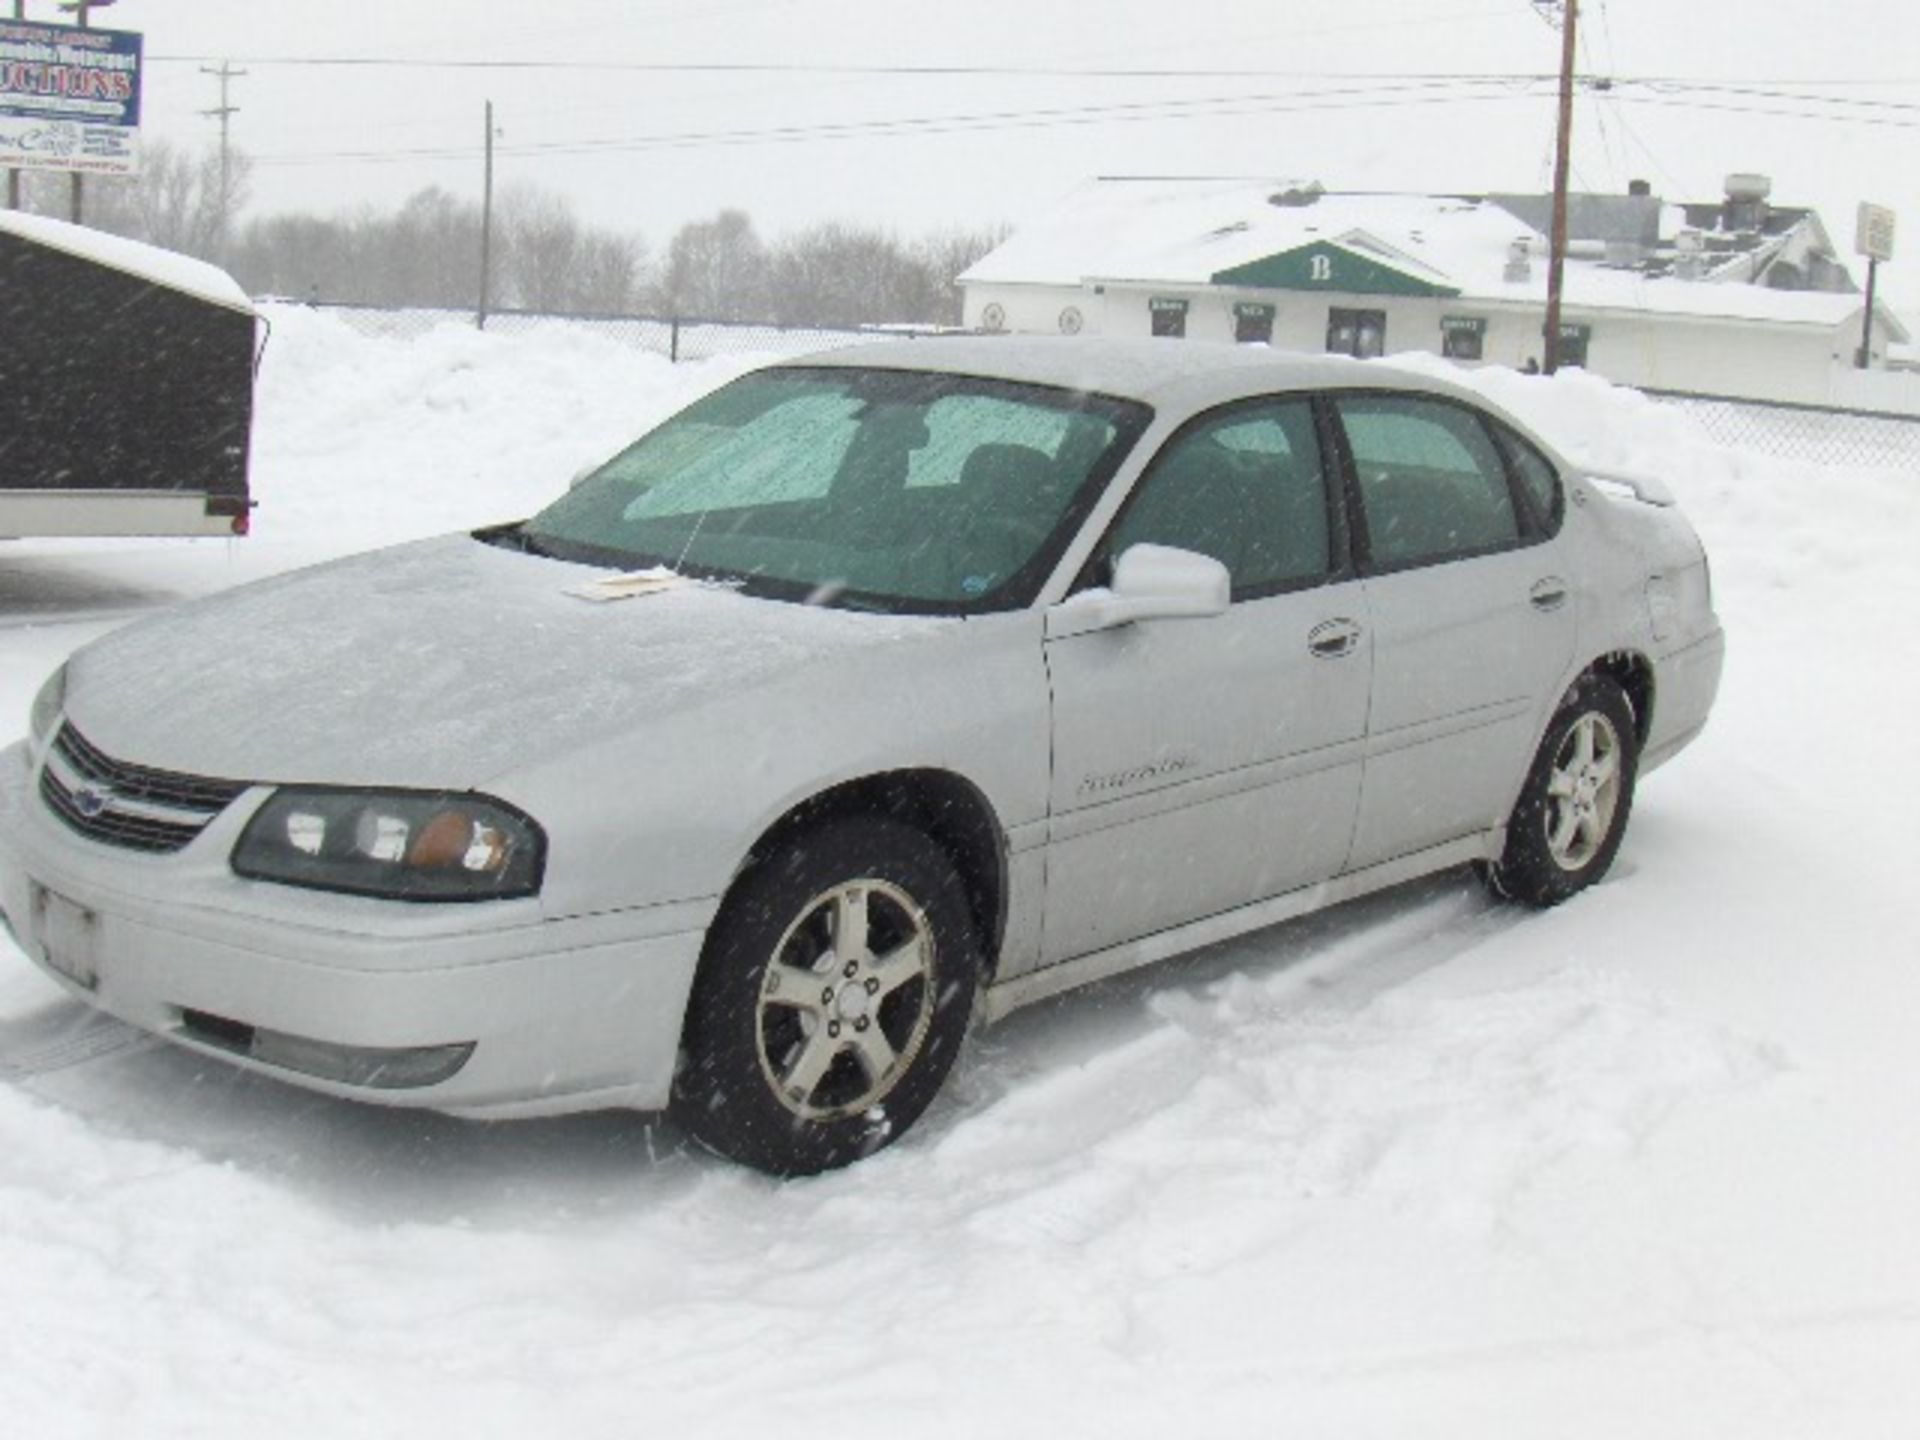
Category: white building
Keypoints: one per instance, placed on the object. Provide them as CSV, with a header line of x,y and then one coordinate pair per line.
x,y
1733,298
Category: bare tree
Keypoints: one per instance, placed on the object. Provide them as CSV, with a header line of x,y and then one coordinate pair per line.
x,y
717,270
947,254
550,261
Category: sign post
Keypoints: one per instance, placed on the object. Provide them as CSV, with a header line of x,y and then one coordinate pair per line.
x,y
69,98
1873,238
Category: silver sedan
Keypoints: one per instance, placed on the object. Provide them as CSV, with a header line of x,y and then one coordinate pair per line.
x,y
870,696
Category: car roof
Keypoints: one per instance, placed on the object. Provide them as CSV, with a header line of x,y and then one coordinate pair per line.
x,y
1165,373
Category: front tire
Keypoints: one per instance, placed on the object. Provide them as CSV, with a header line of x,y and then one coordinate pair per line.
x,y
1572,812
832,997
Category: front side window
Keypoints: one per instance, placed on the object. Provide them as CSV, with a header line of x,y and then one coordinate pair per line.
x,y
1244,486
1432,485
875,488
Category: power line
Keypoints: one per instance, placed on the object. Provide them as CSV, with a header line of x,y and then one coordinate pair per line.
x,y
678,67
1050,118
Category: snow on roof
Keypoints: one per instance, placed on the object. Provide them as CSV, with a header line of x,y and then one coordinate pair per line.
x,y
1188,231
131,257
1184,232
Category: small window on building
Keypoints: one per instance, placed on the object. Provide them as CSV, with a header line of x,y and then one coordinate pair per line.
x,y
1360,333
1573,344
1253,324
1169,317
1463,337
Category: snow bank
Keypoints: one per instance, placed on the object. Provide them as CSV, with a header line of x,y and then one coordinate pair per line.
x,y
1424,1166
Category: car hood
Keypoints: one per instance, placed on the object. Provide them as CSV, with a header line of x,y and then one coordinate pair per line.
x,y
441,664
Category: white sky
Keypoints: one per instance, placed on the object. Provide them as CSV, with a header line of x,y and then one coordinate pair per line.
x,y
301,121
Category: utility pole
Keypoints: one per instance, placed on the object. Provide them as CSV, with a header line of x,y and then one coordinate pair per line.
x,y
1563,151
486,225
224,113
13,176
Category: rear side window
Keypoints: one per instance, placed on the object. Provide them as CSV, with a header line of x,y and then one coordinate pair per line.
x,y
1432,485
1244,486
1539,482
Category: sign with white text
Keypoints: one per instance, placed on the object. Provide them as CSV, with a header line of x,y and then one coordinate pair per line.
x,y
69,98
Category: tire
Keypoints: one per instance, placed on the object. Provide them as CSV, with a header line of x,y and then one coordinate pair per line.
x,y
803,1052
1572,812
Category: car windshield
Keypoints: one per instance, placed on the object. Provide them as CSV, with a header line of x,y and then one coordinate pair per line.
x,y
889,489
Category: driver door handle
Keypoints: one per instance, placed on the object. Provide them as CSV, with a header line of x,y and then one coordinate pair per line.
x,y
1333,639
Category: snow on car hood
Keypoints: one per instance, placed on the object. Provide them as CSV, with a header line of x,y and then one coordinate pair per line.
x,y
440,664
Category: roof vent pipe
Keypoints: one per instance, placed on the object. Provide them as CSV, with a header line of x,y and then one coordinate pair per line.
x,y
1746,207
1519,261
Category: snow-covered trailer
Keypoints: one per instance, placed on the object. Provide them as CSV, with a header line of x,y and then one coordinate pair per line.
x,y
126,386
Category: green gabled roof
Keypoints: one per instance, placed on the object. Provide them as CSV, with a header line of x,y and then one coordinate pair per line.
x,y
1326,265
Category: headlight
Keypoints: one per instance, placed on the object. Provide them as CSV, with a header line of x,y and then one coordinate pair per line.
x,y
46,707
399,845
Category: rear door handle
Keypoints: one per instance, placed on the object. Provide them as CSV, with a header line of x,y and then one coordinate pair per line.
x,y
1548,594
1332,639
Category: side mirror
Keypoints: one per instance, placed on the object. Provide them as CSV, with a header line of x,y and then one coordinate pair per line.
x,y
1150,582
582,473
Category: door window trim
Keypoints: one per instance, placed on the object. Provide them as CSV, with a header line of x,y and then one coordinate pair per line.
x,y
1097,568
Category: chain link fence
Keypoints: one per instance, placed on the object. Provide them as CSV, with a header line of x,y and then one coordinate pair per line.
x,y
677,339
1822,436
1804,432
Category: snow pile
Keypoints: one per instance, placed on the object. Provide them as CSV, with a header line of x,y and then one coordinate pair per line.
x,y
1424,1166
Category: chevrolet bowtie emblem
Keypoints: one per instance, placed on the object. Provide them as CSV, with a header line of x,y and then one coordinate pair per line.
x,y
92,800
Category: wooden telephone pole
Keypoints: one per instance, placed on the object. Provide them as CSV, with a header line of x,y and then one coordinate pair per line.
x,y
1562,155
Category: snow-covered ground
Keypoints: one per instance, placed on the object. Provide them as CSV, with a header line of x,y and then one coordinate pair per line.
x,y
1646,1165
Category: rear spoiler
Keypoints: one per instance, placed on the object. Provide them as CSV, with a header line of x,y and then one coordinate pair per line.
x,y
1644,488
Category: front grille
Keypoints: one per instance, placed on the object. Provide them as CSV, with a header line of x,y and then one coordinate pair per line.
x,y
126,805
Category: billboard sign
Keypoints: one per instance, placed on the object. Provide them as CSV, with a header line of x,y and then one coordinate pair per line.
x,y
69,98
1873,232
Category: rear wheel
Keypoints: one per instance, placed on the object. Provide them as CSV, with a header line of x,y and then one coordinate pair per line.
x,y
835,990
1572,813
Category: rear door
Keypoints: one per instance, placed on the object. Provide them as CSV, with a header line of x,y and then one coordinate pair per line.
x,y
1473,619
1203,764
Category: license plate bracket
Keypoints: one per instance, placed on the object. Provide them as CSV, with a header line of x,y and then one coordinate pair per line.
x,y
67,935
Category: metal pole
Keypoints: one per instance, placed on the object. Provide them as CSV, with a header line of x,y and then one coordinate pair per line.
x,y
78,187
13,176
1562,157
1865,357
486,226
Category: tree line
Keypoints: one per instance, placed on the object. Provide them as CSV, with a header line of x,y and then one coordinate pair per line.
x,y
544,256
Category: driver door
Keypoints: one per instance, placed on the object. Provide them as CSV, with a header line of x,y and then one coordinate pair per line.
x,y
1204,764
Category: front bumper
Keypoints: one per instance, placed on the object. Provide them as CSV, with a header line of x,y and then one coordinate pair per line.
x,y
561,1014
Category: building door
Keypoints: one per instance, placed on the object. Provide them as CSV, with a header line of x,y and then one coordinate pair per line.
x,y
1359,333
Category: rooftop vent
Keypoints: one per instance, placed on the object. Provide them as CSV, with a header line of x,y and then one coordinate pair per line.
x,y
1746,206
1298,197
1519,261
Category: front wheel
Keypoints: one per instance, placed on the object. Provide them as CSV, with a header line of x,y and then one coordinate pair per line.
x,y
835,989
1572,812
